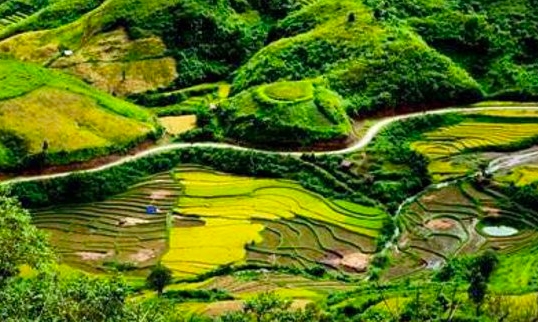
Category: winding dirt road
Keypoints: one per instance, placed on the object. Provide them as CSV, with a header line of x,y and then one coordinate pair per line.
x,y
363,142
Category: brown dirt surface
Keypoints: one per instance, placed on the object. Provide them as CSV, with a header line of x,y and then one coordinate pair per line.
x,y
440,224
160,194
143,255
357,261
495,212
90,256
130,221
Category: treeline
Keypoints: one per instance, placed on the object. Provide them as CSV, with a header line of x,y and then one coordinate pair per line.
x,y
94,186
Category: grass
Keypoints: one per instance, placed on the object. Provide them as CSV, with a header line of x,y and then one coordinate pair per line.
x,y
363,60
68,114
229,36
101,235
288,91
520,176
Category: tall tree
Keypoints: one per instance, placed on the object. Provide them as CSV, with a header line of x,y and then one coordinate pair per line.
x,y
159,277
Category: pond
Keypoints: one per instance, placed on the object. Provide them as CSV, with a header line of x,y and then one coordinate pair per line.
x,y
499,231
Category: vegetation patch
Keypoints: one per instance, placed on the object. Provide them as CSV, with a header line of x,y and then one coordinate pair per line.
x,y
214,195
469,209
286,114
375,65
192,253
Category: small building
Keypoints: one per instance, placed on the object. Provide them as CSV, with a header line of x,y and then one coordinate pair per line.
x,y
213,106
152,210
346,164
68,53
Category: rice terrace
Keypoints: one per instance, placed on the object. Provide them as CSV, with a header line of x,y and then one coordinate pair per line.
x,y
286,160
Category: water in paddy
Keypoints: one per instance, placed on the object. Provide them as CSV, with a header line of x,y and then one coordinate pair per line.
x,y
501,163
499,231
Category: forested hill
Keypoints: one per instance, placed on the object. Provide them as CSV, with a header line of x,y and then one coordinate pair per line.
x,y
376,54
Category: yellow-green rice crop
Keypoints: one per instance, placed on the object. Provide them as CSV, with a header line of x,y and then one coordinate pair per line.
x,y
442,144
521,176
195,250
216,195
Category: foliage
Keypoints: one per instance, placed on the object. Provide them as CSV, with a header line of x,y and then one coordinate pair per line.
x,y
179,296
268,307
49,297
285,114
480,35
159,277
20,242
375,66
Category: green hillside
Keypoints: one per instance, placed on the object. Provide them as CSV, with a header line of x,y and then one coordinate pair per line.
x,y
49,117
375,65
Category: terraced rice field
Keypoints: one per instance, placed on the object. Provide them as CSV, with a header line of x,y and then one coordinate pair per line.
x,y
274,219
449,221
244,285
477,133
211,194
118,230
520,176
306,243
13,19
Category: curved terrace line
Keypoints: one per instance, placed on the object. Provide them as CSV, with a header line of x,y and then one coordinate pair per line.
x,y
362,143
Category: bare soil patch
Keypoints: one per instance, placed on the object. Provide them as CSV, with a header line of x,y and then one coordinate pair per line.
x,y
90,256
357,261
160,194
142,256
130,221
440,224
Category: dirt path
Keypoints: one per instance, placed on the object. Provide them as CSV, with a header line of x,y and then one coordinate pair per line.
x,y
363,142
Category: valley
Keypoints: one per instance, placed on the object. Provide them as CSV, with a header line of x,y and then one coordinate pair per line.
x,y
284,160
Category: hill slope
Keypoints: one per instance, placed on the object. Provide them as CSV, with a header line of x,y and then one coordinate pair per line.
x,y
379,56
49,117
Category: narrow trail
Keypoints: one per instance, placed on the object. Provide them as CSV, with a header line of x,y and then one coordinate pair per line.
x,y
362,143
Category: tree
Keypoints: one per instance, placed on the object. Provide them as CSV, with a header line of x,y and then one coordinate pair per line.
x,y
159,278
477,290
20,241
52,297
486,263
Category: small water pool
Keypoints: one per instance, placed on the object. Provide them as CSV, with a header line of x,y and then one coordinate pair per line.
x,y
499,231
498,227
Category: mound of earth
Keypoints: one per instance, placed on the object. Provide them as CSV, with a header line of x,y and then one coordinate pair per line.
x,y
286,114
